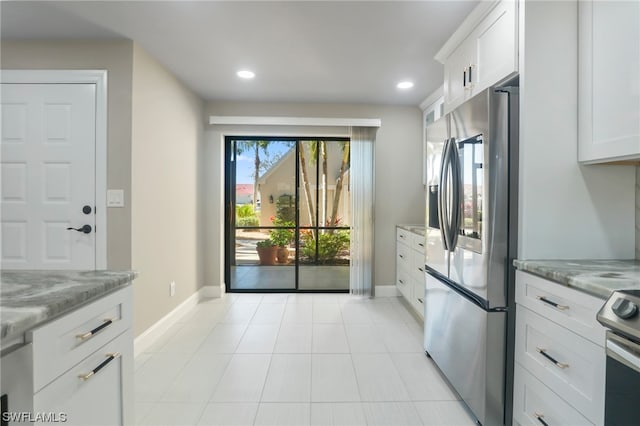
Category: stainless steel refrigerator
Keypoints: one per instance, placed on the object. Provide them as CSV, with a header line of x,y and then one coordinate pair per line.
x,y
471,223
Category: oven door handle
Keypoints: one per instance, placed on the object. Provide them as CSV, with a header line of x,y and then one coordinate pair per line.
x,y
624,351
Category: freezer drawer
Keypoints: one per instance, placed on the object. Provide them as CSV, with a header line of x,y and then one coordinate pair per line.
x,y
468,345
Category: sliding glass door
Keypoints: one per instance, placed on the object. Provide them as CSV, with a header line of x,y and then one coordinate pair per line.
x,y
324,215
287,219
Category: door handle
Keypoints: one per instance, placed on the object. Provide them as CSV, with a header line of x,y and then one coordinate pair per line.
x,y
85,229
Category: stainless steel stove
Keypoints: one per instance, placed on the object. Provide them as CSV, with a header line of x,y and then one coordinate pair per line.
x,y
620,314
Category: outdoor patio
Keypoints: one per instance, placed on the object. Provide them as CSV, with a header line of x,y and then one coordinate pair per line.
x,y
282,277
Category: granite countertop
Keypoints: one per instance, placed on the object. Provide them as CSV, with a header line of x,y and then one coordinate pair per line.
x,y
599,278
30,298
416,229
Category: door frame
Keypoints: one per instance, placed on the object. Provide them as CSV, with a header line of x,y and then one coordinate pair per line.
x,y
99,78
229,210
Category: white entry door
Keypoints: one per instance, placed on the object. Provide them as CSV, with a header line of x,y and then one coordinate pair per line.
x,y
48,176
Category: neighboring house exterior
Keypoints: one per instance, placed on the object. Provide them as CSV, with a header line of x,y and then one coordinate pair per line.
x,y
244,193
280,180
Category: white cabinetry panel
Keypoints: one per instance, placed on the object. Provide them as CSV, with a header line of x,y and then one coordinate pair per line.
x,y
609,81
410,260
559,354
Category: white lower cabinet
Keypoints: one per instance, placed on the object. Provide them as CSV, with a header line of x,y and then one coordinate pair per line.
x,y
16,385
535,404
560,358
90,393
410,259
76,369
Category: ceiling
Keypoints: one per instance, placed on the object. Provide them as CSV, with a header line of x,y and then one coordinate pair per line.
x,y
301,51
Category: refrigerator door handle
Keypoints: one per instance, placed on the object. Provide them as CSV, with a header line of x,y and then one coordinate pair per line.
x,y
442,196
456,201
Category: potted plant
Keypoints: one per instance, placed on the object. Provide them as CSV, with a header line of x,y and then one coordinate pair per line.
x,y
267,251
282,238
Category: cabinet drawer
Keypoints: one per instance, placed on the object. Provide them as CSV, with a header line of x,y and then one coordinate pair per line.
x,y
403,256
417,266
570,308
403,282
404,236
62,343
534,403
417,296
567,363
417,243
98,399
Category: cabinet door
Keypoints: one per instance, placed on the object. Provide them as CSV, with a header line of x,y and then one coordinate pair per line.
x,y
456,88
536,404
17,383
496,46
609,81
417,299
98,399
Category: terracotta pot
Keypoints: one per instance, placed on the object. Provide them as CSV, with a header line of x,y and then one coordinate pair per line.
x,y
282,255
267,255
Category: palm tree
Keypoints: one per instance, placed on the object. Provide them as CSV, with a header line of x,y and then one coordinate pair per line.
x,y
344,165
305,183
256,146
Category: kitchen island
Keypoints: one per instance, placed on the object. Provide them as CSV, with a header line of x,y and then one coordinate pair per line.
x,y
67,339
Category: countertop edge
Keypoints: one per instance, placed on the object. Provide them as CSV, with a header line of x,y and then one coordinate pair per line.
x,y
415,229
30,317
598,278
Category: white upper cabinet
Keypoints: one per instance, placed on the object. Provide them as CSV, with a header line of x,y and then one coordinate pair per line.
x,y
609,81
481,53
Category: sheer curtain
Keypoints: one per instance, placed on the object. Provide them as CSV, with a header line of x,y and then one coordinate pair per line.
x,y
362,198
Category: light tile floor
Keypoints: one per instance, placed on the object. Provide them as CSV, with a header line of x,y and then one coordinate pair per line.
x,y
297,359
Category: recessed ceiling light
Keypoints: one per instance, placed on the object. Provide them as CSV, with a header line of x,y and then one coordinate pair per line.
x,y
245,74
405,85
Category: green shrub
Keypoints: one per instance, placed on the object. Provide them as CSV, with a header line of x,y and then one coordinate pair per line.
x,y
247,221
330,244
286,208
244,210
245,216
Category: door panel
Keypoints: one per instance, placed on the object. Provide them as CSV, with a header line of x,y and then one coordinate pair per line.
x,y
48,175
436,256
479,262
467,344
325,215
262,208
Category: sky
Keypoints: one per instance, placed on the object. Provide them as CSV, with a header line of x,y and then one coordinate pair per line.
x,y
245,166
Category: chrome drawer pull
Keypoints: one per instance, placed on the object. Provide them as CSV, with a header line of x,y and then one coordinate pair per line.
x,y
539,417
554,304
110,357
85,336
544,353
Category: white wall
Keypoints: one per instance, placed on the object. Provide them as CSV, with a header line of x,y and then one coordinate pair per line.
x,y
116,58
166,237
566,210
398,150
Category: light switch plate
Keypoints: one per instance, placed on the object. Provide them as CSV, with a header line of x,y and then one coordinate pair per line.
x,y
115,198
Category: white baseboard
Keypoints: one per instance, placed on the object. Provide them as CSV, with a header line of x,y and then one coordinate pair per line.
x,y
387,291
151,334
208,291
